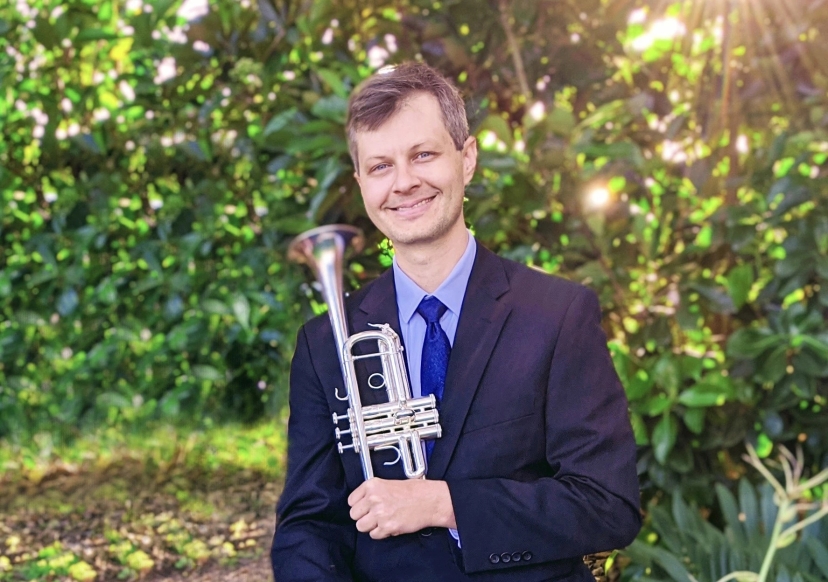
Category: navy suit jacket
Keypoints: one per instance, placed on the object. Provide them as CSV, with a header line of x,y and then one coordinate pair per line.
x,y
537,448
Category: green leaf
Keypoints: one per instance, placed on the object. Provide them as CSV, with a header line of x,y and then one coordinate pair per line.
x,y
819,554
639,430
656,405
113,399
774,367
279,121
332,108
720,301
705,394
739,282
666,373
215,306
334,82
241,309
730,510
664,437
499,126
750,510
560,121
5,284
205,372
665,559
639,385
694,420
67,302
750,343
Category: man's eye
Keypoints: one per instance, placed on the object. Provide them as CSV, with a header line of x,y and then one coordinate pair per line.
x,y
422,155
379,167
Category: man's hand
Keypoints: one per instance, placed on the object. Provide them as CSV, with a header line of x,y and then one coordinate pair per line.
x,y
386,508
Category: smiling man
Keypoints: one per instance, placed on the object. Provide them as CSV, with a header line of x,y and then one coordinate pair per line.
x,y
536,464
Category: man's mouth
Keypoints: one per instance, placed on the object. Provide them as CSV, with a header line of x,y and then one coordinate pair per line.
x,y
414,205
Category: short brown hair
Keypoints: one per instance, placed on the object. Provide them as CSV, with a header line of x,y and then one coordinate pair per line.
x,y
382,95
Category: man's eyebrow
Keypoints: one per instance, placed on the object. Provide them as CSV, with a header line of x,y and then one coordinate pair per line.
x,y
426,144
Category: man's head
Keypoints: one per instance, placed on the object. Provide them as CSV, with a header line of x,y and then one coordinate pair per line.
x,y
413,156
381,96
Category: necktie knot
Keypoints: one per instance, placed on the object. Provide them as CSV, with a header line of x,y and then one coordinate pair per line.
x,y
431,309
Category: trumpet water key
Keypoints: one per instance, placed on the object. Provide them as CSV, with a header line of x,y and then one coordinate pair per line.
x,y
401,423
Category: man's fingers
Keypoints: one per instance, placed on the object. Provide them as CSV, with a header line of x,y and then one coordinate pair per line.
x,y
356,495
361,491
360,510
378,534
367,524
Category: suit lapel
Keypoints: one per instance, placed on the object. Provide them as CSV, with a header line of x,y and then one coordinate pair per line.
x,y
481,321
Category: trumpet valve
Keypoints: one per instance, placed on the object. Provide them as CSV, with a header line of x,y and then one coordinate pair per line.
x,y
342,447
404,416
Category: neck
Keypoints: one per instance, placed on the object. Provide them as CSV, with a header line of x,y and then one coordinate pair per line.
x,y
429,265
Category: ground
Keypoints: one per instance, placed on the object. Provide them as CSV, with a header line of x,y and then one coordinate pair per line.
x,y
168,508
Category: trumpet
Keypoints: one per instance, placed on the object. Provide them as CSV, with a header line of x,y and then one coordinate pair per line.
x,y
402,423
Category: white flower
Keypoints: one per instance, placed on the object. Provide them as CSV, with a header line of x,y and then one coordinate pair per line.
x,y
377,56
193,9
127,91
166,70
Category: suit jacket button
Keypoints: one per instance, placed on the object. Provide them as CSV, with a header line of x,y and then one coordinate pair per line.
x,y
494,558
516,556
427,532
505,557
526,556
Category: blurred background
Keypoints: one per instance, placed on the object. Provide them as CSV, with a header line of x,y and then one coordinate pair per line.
x,y
156,157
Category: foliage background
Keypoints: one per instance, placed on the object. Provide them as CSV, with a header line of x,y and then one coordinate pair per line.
x,y
156,158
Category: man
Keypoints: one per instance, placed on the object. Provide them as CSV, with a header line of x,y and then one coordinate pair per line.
x,y
536,464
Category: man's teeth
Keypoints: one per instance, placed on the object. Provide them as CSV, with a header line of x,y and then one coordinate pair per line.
x,y
420,203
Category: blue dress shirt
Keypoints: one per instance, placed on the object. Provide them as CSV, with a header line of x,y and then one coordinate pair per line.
x,y
413,326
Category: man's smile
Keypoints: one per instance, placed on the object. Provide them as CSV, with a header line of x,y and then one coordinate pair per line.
x,y
411,206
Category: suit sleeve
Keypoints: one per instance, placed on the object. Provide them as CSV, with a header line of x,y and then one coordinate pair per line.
x,y
315,537
590,502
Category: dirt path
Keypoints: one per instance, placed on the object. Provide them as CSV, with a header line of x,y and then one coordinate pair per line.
x,y
128,522
250,571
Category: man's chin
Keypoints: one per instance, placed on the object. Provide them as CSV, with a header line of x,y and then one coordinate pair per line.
x,y
414,238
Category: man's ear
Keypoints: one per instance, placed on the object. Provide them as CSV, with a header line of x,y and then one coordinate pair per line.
x,y
356,177
469,159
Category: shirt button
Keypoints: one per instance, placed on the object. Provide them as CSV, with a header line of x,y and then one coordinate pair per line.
x,y
516,556
494,558
505,557
526,556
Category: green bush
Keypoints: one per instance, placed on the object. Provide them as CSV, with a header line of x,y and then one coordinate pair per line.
x,y
152,171
775,532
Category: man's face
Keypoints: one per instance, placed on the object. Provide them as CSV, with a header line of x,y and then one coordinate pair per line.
x,y
412,177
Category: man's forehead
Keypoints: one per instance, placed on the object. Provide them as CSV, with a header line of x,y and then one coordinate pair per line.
x,y
385,139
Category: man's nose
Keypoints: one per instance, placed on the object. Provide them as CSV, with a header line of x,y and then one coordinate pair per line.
x,y
406,179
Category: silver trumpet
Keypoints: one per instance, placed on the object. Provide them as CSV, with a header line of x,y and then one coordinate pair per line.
x,y
401,423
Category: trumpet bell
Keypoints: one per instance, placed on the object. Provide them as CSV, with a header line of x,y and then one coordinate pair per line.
x,y
308,247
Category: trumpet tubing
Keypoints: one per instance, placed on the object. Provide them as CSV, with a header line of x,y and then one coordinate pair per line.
x,y
401,423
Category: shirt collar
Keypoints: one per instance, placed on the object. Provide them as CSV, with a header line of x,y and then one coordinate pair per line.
x,y
450,292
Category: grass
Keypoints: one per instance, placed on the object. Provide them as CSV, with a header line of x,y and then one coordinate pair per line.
x,y
126,505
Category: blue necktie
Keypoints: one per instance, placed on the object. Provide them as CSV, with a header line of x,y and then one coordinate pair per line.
x,y
436,350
